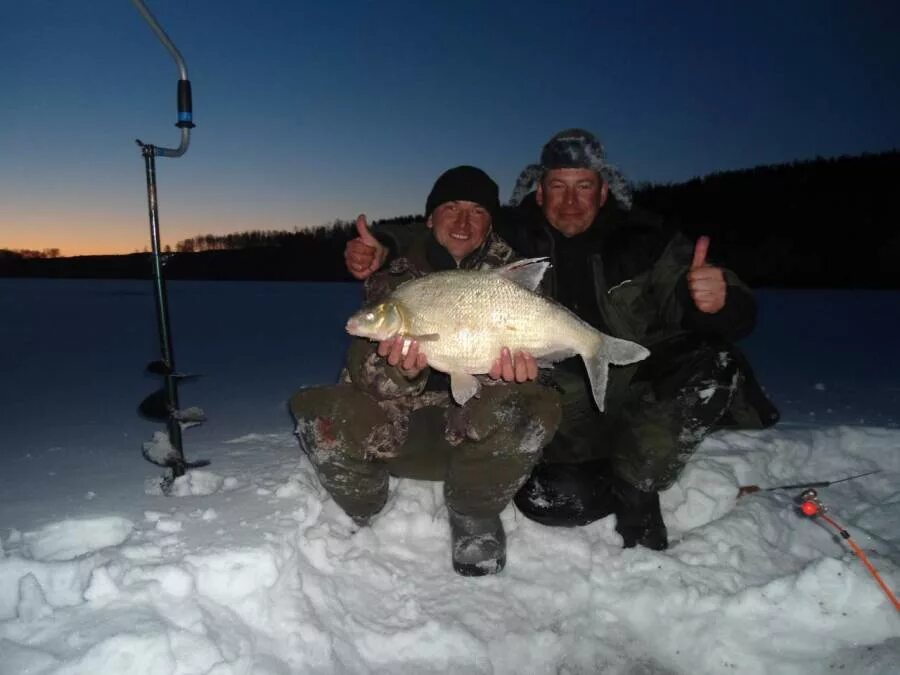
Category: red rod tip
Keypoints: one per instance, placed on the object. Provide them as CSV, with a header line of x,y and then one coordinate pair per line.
x,y
810,508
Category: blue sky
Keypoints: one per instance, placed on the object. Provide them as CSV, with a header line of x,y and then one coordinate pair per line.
x,y
308,112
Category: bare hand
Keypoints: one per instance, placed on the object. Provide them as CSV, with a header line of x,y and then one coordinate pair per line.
x,y
364,255
410,363
519,368
706,282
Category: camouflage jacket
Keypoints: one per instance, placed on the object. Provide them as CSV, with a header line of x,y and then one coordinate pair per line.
x,y
422,255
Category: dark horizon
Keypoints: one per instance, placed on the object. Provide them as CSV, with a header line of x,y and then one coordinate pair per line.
x,y
645,187
824,223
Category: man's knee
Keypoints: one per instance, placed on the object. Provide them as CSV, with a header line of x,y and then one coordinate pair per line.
x,y
491,464
510,407
343,431
544,405
340,420
687,362
717,363
654,471
644,446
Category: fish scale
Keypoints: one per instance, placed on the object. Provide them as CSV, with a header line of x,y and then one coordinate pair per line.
x,y
476,313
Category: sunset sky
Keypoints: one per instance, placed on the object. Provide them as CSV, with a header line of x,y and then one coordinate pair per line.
x,y
308,112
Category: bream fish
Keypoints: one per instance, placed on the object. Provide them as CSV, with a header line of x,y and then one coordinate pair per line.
x,y
462,319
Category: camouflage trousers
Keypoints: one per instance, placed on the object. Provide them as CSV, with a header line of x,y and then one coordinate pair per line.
x,y
482,451
678,395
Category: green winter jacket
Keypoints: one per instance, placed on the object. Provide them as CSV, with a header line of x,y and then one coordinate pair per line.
x,y
627,277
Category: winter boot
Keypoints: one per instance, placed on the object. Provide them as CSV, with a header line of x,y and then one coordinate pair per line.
x,y
362,521
478,544
566,495
639,519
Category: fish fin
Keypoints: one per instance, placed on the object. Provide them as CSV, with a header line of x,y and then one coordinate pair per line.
x,y
612,351
407,340
463,387
527,273
622,352
547,360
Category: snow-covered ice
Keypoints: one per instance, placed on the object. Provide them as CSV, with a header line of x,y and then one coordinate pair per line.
x,y
248,567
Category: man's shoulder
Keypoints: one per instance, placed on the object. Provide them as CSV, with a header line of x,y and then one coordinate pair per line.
x,y
525,214
635,224
635,216
495,252
523,226
498,252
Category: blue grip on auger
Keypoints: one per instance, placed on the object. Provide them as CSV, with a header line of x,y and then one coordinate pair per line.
x,y
185,105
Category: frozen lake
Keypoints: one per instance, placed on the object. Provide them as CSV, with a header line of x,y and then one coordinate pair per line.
x,y
827,357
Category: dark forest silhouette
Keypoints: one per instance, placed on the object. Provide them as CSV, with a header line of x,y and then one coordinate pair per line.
x,y
826,223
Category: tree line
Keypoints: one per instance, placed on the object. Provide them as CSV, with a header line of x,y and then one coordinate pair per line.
x,y
825,222
278,238
29,254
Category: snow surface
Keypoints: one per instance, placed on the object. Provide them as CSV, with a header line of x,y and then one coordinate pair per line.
x,y
250,568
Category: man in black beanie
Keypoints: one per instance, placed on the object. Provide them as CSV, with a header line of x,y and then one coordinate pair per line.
x,y
392,415
467,190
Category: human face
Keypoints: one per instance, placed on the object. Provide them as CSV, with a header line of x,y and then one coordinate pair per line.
x,y
571,198
460,227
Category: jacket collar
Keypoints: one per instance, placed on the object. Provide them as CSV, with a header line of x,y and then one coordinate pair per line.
x,y
440,260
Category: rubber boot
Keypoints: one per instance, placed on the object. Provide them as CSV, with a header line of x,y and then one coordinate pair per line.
x,y
478,545
362,521
567,495
639,519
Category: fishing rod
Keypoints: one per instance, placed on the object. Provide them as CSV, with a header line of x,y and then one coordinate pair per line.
x,y
811,506
750,489
163,405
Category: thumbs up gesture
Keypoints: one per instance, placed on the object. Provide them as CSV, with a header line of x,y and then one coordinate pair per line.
x,y
706,282
364,255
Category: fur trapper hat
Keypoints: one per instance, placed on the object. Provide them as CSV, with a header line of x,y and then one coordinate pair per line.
x,y
573,149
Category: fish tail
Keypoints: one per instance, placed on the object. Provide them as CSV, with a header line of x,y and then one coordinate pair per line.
x,y
613,351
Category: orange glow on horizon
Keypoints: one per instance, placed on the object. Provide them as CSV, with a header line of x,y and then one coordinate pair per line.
x,y
81,243
109,234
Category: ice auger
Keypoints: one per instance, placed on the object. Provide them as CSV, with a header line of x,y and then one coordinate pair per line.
x,y
167,449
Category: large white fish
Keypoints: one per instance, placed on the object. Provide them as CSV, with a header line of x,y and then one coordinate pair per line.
x,y
462,319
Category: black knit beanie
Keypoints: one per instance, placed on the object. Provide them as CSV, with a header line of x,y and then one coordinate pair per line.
x,y
465,183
